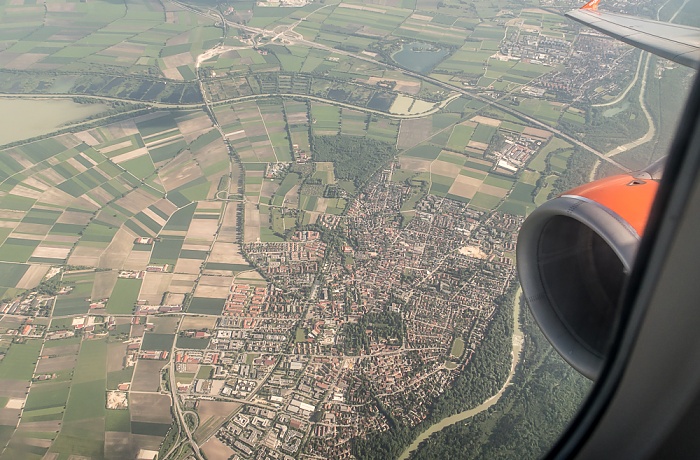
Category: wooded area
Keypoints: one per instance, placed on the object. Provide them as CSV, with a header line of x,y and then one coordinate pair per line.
x,y
578,168
545,395
385,325
480,380
355,158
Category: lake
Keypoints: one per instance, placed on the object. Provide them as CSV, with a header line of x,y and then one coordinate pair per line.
x,y
419,57
26,118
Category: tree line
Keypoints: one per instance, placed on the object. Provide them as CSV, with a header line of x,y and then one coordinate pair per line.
x,y
533,412
482,377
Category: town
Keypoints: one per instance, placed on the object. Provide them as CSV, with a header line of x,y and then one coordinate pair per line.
x,y
404,317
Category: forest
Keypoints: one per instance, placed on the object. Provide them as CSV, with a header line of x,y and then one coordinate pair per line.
x,y
533,412
482,377
355,158
578,168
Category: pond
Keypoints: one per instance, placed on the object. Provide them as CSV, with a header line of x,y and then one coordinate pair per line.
x,y
615,110
26,118
419,57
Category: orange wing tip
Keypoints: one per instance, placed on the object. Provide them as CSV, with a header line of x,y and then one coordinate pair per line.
x,y
592,5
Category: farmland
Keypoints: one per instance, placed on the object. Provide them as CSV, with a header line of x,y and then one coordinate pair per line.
x,y
100,191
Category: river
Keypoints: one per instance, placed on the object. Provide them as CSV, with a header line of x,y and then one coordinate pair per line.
x,y
517,348
26,118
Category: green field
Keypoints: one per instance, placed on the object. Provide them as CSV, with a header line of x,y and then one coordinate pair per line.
x,y
11,274
224,266
426,151
167,250
515,207
483,133
538,163
47,395
543,194
75,301
159,342
124,296
460,137
204,372
541,110
189,342
118,420
91,364
484,201
457,347
522,192
83,423
180,219
324,172
140,167
325,119
290,180
474,174
17,250
116,377
18,363
477,166
500,182
149,429
206,305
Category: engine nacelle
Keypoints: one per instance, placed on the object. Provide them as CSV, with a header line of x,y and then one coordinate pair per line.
x,y
573,257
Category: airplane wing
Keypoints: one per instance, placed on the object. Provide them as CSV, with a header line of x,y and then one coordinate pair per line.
x,y
676,42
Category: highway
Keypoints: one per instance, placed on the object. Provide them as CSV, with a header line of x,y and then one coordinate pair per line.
x,y
176,405
434,81
296,39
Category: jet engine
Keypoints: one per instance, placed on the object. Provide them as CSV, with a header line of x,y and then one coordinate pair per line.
x,y
574,254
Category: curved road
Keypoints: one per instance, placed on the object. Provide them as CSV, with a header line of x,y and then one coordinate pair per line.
x,y
436,108
179,415
651,132
629,87
419,76
439,83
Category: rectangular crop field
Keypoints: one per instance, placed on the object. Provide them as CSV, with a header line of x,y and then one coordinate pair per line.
x,y
159,342
208,306
124,296
18,363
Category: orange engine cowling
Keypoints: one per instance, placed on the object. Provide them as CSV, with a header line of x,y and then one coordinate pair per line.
x,y
573,257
